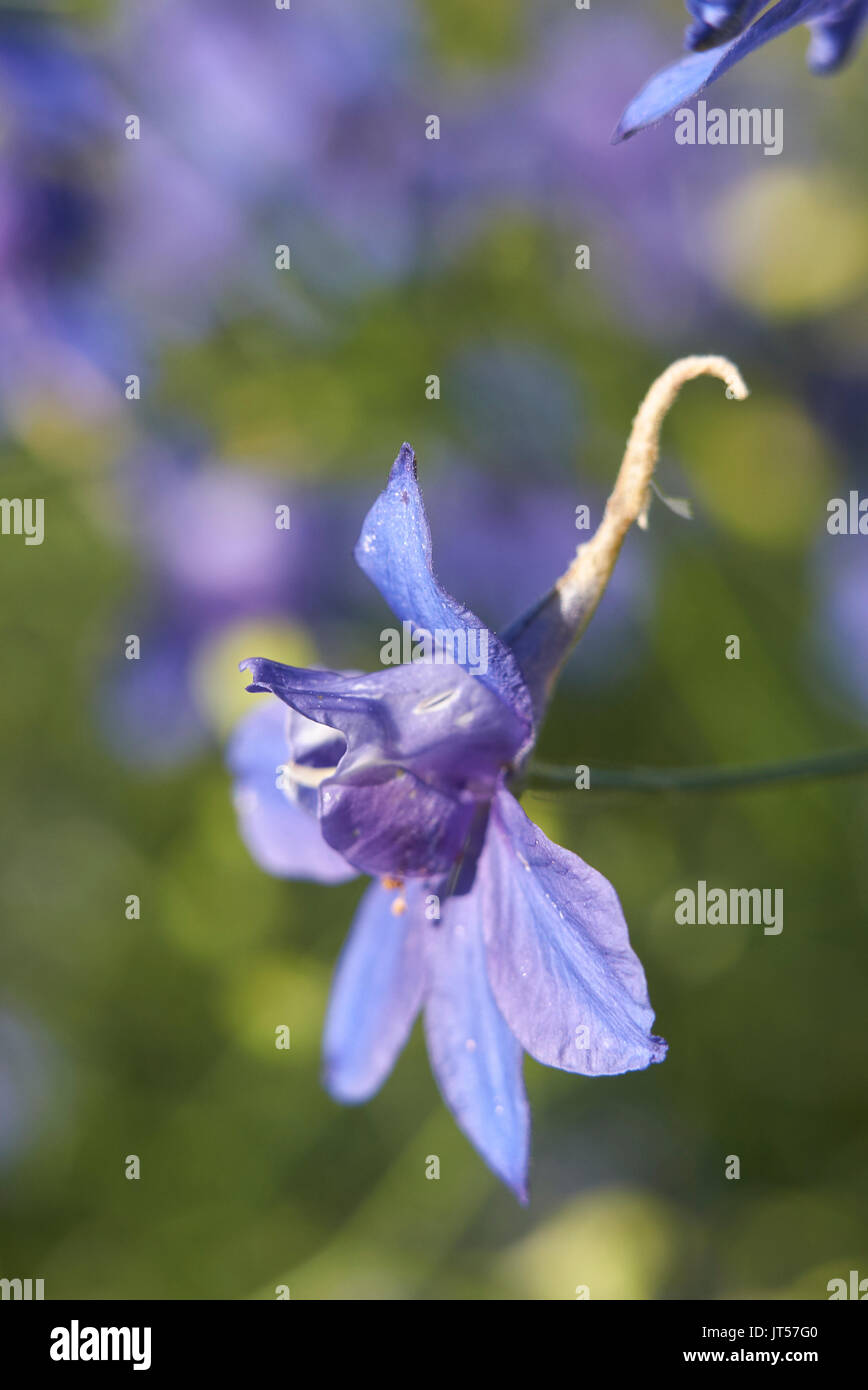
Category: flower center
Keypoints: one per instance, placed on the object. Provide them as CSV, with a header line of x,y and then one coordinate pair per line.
x,y
291,775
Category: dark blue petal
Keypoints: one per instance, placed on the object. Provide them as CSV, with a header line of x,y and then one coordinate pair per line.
x,y
475,1058
399,826
834,39
718,21
376,994
675,85
394,550
559,957
283,837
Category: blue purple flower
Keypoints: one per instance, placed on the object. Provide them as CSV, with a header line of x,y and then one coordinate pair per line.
x,y
507,942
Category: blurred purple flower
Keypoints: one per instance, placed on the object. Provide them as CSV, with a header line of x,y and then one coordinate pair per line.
x,y
725,31
510,943
537,138
209,530
518,406
534,525
840,631
213,555
24,1060
109,247
148,713
60,336
325,98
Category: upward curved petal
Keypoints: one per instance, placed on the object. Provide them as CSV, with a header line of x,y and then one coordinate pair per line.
x,y
475,1058
559,957
394,550
677,84
376,993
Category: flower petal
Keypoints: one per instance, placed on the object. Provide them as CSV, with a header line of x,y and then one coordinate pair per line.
x,y
434,721
682,80
426,745
394,550
718,21
559,958
669,89
834,38
376,993
475,1058
398,826
283,837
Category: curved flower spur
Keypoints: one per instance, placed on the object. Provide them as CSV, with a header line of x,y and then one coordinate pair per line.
x,y
508,943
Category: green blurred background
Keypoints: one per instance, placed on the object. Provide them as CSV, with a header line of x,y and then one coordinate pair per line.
x,y
156,1037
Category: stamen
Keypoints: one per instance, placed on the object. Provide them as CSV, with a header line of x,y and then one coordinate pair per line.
x,y
302,775
392,883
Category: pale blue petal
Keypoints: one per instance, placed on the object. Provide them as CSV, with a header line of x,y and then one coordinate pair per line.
x,y
376,994
560,963
475,1058
283,837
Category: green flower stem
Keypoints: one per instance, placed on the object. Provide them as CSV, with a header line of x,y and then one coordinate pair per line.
x,y
847,763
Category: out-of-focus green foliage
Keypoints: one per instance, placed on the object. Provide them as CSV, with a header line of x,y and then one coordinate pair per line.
x,y
156,1037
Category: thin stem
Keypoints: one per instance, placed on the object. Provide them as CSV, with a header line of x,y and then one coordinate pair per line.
x,y
847,763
